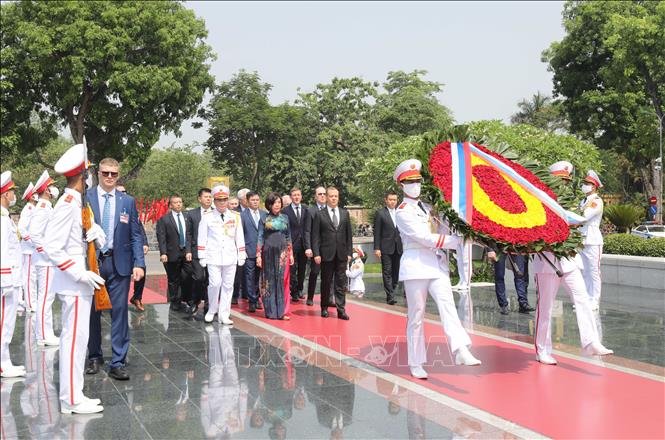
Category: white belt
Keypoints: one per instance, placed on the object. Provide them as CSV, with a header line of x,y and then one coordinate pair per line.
x,y
414,245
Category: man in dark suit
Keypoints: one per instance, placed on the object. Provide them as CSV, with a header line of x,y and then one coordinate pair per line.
x,y
251,218
314,269
172,240
239,286
298,218
331,243
199,274
388,245
120,260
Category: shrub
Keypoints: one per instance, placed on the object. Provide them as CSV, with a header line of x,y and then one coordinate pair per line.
x,y
627,244
623,216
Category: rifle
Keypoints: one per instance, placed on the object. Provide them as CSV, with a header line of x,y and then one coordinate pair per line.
x,y
102,300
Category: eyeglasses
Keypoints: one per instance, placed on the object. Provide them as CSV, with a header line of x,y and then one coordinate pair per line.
x,y
109,173
320,194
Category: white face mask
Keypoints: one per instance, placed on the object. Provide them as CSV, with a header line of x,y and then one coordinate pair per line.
x,y
55,192
88,181
412,189
35,197
586,189
12,202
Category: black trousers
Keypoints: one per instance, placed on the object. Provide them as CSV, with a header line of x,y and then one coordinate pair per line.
x,y
179,274
239,286
298,272
199,281
314,270
333,270
390,272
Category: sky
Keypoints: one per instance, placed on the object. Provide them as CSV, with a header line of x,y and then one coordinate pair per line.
x,y
487,54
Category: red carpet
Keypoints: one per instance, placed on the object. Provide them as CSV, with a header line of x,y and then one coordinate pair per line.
x,y
572,400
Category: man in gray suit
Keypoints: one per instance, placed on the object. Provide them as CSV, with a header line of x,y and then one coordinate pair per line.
x,y
251,217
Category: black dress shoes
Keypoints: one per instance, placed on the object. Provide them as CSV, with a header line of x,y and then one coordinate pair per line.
x,y
343,315
234,301
391,301
251,308
310,302
526,308
175,307
94,365
324,313
301,295
119,373
295,299
504,310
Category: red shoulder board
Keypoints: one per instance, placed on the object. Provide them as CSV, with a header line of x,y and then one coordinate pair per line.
x,y
594,204
69,198
402,205
42,205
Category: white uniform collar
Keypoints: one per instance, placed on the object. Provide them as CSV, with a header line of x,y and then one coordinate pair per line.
x,y
46,201
5,211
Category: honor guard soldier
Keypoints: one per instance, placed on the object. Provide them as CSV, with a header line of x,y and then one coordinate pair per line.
x,y
548,281
65,246
424,269
29,274
221,246
591,207
44,267
10,276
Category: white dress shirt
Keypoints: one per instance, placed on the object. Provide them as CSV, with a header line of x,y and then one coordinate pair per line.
x,y
182,220
101,200
392,216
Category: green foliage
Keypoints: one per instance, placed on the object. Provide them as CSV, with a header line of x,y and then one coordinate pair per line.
x,y
173,171
610,68
623,216
120,73
628,244
541,112
409,106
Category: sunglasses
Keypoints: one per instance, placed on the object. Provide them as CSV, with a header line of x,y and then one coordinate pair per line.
x,y
109,173
320,194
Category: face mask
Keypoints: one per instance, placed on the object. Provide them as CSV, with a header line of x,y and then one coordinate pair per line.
x,y
412,190
586,189
88,181
55,192
35,197
12,202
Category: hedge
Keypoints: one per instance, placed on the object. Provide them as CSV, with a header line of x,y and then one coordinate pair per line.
x,y
628,244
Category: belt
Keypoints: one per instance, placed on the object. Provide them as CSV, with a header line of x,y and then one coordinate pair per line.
x,y
108,253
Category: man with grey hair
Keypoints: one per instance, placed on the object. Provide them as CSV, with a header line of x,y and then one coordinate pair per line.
x,y
242,197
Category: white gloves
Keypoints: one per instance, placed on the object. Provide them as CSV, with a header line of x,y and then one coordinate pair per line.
x,y
241,261
203,262
92,279
96,233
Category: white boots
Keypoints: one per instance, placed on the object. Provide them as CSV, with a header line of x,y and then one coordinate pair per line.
x,y
464,357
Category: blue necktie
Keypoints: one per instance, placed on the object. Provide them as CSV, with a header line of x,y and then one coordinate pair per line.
x,y
106,220
181,233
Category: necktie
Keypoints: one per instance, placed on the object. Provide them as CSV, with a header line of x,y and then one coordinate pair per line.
x,y
106,220
335,219
420,205
181,232
298,213
256,218
222,216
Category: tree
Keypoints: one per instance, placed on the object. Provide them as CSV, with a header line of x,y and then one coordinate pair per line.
x,y
173,171
340,114
119,73
248,135
541,112
610,68
409,106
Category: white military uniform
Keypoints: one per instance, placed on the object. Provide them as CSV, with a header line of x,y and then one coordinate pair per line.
x,y
65,248
27,249
45,272
221,243
592,209
10,283
463,252
423,269
547,285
